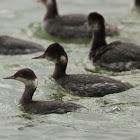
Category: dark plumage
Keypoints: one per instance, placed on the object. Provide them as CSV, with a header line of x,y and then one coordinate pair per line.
x,y
12,46
137,3
49,107
116,56
92,85
70,27
28,77
80,84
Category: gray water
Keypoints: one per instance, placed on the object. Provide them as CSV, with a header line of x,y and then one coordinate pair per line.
x,y
114,117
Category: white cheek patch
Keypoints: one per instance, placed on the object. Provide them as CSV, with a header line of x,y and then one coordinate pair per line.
x,y
32,83
50,59
22,80
63,59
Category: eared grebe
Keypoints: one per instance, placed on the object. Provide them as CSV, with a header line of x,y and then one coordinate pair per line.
x,y
28,77
80,84
137,3
69,26
116,56
12,46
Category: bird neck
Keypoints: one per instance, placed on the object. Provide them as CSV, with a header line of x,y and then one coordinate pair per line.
x,y
28,92
98,38
52,11
60,68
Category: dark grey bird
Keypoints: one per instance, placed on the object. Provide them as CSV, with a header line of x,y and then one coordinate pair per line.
x,y
80,84
28,77
117,56
70,26
13,46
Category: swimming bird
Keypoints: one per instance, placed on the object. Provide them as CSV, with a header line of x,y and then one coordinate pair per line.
x,y
80,84
28,77
70,26
116,56
13,46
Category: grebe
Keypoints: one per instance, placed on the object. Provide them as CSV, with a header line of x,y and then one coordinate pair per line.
x,y
70,26
80,84
28,77
116,56
13,46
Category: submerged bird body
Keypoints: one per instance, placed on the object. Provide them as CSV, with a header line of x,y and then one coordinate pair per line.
x,y
92,85
116,56
49,107
69,26
28,77
80,84
12,46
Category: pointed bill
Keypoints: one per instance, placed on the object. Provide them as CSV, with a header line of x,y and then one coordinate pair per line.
x,y
10,77
39,57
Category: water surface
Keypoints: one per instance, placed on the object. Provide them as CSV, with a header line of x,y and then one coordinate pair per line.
x,y
114,117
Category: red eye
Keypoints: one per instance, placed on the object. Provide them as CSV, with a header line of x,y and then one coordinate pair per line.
x,y
20,75
47,53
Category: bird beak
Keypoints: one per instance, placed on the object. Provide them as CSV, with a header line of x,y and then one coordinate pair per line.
x,y
11,77
39,57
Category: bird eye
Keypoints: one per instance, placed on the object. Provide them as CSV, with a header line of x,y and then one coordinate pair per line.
x,y
20,75
47,53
